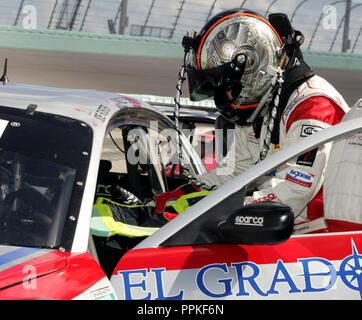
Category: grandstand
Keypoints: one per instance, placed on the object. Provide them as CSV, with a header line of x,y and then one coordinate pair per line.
x,y
332,26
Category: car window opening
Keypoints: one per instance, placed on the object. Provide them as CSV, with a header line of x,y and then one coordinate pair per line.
x,y
121,180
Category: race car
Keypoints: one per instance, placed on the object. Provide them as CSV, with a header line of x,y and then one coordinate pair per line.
x,y
61,150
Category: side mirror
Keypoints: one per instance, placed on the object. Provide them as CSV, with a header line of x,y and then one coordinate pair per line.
x,y
258,224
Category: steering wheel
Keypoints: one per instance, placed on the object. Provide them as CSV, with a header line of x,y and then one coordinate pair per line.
x,y
24,214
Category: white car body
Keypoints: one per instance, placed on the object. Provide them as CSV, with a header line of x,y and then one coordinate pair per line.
x,y
189,257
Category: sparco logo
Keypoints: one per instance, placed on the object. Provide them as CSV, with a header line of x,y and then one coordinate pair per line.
x,y
249,221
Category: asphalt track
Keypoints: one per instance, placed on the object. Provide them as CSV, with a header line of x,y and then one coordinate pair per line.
x,y
127,74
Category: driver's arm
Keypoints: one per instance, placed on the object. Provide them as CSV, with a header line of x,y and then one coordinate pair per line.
x,y
237,160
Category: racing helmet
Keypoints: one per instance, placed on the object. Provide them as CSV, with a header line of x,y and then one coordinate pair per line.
x,y
237,51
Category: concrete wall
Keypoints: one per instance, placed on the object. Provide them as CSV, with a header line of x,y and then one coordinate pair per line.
x,y
130,64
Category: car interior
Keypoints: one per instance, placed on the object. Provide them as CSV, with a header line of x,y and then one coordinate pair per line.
x,y
138,180
145,180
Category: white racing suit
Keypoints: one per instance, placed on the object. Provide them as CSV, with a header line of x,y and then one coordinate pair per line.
x,y
314,105
343,182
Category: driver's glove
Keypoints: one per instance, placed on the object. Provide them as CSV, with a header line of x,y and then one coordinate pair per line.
x,y
199,184
123,196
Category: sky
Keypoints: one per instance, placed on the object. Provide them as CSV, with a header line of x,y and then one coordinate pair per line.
x,y
168,15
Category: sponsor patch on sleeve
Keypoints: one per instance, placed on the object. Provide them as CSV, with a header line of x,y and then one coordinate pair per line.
x,y
269,197
300,177
307,159
308,130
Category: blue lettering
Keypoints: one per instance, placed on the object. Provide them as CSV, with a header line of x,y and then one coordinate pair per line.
x,y
225,282
250,279
285,278
159,285
128,285
296,174
332,274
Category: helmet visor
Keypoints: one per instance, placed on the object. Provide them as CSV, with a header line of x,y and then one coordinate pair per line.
x,y
202,83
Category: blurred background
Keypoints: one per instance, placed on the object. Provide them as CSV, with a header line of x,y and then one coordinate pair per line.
x,y
328,25
134,46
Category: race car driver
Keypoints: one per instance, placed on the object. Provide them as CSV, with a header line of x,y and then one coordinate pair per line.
x,y
255,71
342,200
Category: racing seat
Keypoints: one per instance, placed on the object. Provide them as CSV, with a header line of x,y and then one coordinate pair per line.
x,y
105,179
110,218
134,220
342,187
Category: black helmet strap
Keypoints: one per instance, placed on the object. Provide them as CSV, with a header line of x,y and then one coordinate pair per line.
x,y
296,72
293,79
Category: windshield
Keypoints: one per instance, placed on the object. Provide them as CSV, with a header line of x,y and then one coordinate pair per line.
x,y
34,196
44,162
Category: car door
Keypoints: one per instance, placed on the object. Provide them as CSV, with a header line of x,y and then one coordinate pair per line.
x,y
220,249
306,267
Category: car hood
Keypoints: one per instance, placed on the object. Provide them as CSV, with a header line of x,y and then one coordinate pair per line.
x,y
19,264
